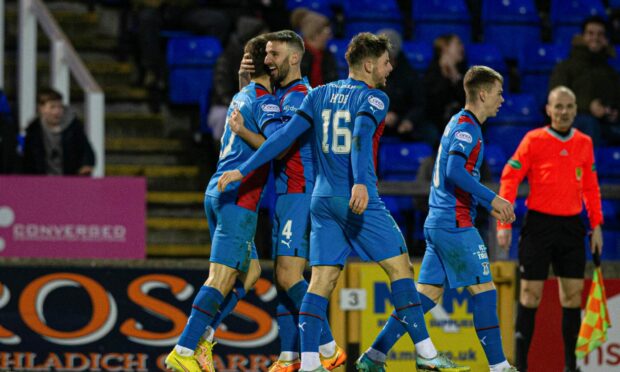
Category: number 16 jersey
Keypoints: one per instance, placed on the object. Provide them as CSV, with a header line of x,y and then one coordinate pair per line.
x,y
331,111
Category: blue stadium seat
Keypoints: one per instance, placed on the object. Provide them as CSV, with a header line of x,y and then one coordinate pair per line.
x,y
355,26
519,109
400,161
536,64
371,16
190,62
339,47
608,164
511,25
507,137
319,6
419,54
615,62
486,54
495,158
432,18
567,16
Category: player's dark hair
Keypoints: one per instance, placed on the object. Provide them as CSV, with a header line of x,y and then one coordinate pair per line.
x,y
46,95
291,38
365,45
594,19
256,48
477,78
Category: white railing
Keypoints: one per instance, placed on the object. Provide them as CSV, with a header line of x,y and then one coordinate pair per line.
x,y
63,60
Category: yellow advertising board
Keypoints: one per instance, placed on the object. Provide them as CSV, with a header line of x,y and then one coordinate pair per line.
x,y
450,323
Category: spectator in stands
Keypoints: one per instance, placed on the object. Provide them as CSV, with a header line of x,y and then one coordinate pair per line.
x,y
318,63
595,83
157,15
444,80
226,72
405,119
8,138
55,142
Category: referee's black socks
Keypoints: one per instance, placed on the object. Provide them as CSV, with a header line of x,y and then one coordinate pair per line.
x,y
571,322
526,318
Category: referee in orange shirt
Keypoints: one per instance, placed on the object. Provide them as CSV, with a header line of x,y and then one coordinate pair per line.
x,y
558,161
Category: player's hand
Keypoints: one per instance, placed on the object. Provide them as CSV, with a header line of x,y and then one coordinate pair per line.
x,y
245,69
228,177
504,238
504,209
236,122
596,241
359,198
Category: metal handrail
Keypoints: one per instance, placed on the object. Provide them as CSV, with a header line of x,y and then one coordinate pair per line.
x,y
63,61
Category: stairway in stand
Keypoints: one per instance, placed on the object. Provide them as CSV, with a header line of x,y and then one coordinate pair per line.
x,y
158,146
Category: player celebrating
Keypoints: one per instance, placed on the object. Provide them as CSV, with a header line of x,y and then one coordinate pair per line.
x,y
232,217
454,249
346,118
294,172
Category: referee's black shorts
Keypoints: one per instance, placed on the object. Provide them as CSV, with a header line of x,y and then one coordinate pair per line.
x,y
552,240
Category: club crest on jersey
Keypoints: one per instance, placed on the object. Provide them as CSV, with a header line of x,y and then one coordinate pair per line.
x,y
376,102
270,108
463,136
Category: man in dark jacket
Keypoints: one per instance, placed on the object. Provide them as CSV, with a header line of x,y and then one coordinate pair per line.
x,y
55,142
318,63
595,83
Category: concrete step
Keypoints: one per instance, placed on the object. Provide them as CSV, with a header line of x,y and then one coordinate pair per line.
x,y
178,230
177,223
152,171
161,178
145,158
114,92
175,198
123,125
143,144
178,250
176,204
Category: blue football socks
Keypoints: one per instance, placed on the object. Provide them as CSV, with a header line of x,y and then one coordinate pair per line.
x,y
237,293
408,307
312,315
487,325
393,329
204,309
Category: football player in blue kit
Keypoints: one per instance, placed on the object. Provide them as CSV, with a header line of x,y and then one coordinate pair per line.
x,y
294,182
455,251
232,217
346,119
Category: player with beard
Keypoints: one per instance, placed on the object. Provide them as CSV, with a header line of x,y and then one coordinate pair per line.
x,y
346,121
294,182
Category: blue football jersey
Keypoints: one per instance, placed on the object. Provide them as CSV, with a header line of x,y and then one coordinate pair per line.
x,y
450,206
259,108
295,172
331,109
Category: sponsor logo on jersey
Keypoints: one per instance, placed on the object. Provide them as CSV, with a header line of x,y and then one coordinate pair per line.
x,y
376,102
270,108
464,136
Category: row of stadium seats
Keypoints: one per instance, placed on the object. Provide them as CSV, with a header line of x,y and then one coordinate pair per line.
x,y
512,25
191,59
399,161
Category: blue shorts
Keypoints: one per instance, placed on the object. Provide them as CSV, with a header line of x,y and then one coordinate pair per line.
x,y
232,231
336,230
291,226
457,255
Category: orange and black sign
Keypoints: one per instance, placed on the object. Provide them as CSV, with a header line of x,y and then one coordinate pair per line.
x,y
119,319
